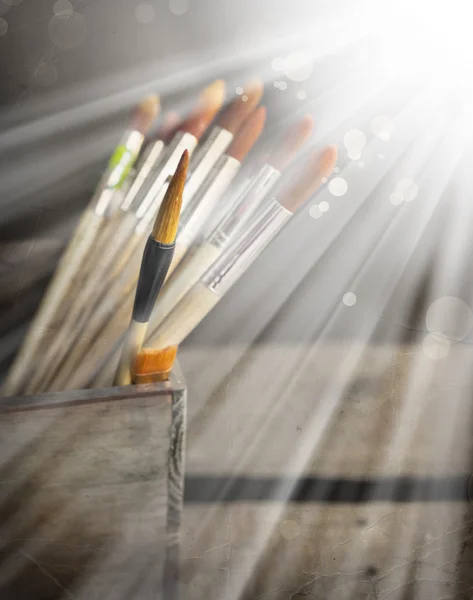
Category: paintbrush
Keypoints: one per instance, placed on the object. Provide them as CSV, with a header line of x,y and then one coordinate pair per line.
x,y
109,235
267,221
82,241
269,168
203,255
204,201
124,237
152,365
152,191
112,251
139,201
220,137
156,260
147,161
208,250
146,168
198,211
75,375
102,337
169,126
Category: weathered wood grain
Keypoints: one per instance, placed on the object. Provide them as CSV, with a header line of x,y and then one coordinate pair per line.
x,y
91,489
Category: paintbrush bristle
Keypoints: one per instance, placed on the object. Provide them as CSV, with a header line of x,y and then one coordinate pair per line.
x,y
146,112
208,104
167,221
242,106
319,165
169,126
153,365
248,134
291,143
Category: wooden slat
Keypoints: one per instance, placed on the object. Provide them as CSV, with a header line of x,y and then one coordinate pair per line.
x,y
84,505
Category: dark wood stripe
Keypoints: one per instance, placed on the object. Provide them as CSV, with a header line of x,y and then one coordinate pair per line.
x,y
209,488
175,493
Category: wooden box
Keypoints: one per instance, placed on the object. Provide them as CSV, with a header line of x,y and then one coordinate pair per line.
x,y
91,490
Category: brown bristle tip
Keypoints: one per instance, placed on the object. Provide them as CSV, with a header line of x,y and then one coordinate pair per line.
x,y
146,113
209,103
319,165
292,143
152,361
238,111
248,134
167,221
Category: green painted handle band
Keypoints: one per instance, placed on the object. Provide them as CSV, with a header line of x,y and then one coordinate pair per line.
x,y
119,165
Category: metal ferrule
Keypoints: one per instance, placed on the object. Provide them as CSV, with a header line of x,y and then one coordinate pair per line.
x,y
223,208
118,167
204,159
165,167
244,207
147,163
242,251
204,202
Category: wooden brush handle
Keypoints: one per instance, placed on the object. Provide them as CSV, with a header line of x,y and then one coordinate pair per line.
x,y
82,307
109,304
107,374
70,326
121,285
164,304
192,267
185,316
63,279
180,251
101,348
132,344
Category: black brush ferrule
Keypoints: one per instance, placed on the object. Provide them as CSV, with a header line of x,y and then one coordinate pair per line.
x,y
155,264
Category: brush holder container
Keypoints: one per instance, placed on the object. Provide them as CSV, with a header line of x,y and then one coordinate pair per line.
x,y
91,492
